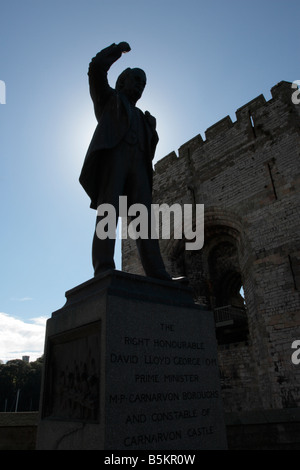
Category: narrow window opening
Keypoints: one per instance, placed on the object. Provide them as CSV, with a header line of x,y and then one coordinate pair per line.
x,y
272,181
252,123
242,294
294,271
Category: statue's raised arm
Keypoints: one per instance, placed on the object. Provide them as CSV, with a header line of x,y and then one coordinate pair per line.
x,y
98,69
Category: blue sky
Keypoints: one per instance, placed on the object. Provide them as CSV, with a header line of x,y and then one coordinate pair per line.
x,y
203,60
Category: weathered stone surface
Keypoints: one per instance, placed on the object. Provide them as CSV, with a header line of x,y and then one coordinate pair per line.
x,y
131,363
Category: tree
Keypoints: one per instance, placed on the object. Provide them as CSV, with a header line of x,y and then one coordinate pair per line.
x,y
22,380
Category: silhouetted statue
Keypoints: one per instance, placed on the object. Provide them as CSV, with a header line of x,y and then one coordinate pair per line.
x,y
119,158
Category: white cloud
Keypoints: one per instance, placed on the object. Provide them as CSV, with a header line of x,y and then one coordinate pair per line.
x,y
22,299
19,338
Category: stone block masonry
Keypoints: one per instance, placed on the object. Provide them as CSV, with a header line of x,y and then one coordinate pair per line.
x,y
247,174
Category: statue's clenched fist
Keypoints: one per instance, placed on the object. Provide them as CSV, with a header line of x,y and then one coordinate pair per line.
x,y
124,46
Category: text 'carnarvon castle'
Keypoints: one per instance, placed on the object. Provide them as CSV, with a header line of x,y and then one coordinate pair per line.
x,y
247,175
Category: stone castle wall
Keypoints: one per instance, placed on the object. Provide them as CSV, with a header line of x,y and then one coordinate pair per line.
x,y
247,175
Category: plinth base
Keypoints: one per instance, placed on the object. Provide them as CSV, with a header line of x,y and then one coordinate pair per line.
x,y
130,364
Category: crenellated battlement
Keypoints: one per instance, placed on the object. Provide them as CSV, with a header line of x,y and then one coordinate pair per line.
x,y
221,126
252,106
252,121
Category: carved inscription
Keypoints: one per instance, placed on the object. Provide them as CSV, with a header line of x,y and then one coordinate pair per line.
x,y
168,398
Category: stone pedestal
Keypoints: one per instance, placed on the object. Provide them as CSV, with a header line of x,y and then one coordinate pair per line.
x,y
130,364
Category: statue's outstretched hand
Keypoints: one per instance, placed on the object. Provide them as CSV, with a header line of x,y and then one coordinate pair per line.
x,y
124,46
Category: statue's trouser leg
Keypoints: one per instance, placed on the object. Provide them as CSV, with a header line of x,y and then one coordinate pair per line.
x,y
139,191
112,176
102,253
126,172
151,259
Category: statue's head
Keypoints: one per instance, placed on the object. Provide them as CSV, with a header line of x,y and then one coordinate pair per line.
x,y
132,83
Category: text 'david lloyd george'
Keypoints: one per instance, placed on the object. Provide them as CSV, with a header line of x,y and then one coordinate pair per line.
x,y
166,374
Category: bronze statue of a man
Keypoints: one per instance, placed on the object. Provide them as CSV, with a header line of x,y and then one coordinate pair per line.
x,y
119,158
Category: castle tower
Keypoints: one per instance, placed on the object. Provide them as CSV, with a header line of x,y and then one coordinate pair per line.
x,y
247,175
